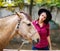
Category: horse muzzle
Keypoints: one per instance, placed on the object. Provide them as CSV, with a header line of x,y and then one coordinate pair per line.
x,y
35,42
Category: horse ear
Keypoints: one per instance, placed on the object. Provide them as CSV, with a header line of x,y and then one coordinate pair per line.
x,y
19,15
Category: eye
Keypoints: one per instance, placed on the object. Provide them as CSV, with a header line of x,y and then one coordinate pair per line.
x,y
44,17
29,24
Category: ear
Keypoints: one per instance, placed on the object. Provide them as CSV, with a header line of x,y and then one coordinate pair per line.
x,y
19,14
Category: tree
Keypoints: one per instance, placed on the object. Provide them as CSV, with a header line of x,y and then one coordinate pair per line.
x,y
31,5
19,3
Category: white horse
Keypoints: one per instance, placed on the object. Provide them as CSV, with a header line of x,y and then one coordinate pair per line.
x,y
19,23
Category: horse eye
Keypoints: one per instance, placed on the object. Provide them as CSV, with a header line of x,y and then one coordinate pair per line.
x,y
29,24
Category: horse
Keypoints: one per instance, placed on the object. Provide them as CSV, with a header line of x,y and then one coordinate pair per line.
x,y
19,23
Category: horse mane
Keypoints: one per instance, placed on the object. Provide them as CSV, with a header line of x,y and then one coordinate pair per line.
x,y
27,15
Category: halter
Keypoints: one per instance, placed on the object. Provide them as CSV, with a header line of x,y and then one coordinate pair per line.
x,y
18,20
18,23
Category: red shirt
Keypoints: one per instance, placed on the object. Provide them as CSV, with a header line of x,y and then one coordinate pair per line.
x,y
43,32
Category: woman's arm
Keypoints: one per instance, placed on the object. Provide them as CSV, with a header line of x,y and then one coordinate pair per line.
x,y
49,41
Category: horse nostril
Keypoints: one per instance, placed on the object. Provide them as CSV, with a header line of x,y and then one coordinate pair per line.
x,y
29,24
37,40
34,42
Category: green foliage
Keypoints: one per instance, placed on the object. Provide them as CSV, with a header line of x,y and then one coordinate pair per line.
x,y
10,8
4,4
1,3
15,3
48,3
1,0
19,3
55,3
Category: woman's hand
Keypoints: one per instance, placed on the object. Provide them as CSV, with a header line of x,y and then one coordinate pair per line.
x,y
49,41
50,48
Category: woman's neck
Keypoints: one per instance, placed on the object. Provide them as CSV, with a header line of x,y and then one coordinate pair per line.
x,y
41,23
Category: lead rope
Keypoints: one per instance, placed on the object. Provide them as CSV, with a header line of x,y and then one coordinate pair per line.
x,y
24,41
20,46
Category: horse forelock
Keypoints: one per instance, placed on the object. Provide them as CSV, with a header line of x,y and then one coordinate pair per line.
x,y
27,16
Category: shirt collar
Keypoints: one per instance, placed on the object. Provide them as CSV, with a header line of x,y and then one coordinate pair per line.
x,y
36,22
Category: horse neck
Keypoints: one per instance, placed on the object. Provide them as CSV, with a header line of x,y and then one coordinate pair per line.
x,y
7,33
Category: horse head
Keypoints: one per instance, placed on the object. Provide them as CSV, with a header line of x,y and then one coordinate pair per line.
x,y
26,28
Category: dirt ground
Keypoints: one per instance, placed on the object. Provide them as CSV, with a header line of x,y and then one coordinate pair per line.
x,y
55,36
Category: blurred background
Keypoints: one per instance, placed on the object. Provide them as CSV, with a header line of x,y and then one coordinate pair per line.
x,y
31,7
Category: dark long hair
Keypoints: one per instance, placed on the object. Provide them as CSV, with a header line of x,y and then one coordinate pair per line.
x,y
49,16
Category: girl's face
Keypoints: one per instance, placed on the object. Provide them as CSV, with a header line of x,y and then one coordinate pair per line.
x,y
42,17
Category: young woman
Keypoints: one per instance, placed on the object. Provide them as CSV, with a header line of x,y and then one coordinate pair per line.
x,y
42,26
